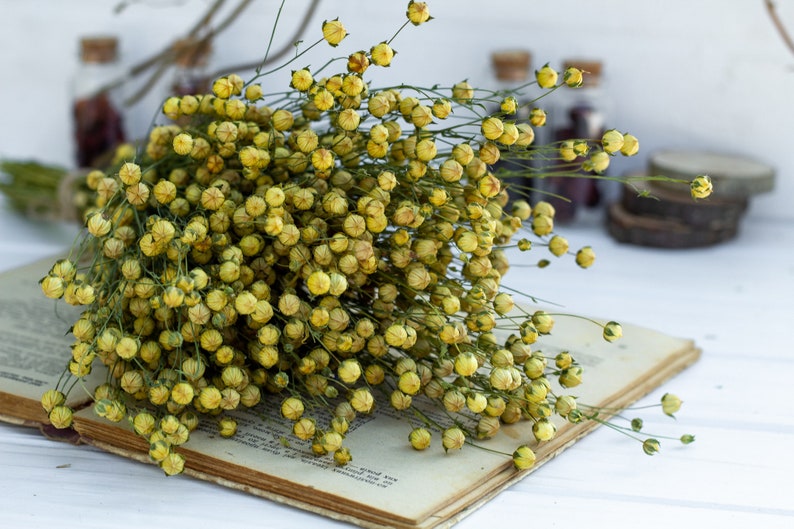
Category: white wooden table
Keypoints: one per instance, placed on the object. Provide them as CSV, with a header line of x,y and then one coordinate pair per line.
x,y
734,299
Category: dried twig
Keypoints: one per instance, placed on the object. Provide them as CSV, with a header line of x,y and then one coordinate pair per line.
x,y
281,52
781,28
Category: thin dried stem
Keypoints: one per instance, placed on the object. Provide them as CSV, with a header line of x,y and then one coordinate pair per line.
x,y
781,28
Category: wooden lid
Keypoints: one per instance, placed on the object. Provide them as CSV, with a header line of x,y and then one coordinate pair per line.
x,y
511,65
732,175
98,49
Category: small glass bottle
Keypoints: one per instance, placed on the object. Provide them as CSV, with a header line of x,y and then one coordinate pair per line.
x,y
578,113
97,118
511,69
190,68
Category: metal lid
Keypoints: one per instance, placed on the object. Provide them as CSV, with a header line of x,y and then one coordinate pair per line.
x,y
732,175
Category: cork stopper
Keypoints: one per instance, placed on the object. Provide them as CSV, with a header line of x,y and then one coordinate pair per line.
x,y
192,53
98,49
511,65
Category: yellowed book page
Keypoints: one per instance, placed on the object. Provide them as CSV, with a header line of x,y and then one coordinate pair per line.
x,y
388,484
34,343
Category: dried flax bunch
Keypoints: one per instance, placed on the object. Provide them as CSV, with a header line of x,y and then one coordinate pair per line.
x,y
313,250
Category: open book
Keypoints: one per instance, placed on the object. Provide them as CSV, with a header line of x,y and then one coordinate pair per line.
x,y
387,484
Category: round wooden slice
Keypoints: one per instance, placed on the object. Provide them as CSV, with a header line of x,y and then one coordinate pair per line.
x,y
647,198
663,233
732,175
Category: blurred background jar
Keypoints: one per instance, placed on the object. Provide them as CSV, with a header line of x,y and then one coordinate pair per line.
x,y
190,76
511,67
97,101
579,113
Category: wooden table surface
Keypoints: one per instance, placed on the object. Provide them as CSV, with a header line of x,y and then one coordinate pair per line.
x,y
734,299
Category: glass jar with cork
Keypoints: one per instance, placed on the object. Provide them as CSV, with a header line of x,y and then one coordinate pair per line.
x,y
96,109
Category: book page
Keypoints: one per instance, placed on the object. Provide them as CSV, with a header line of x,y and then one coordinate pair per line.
x,y
390,484
34,342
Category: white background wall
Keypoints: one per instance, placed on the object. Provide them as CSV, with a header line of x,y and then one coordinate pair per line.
x,y
706,74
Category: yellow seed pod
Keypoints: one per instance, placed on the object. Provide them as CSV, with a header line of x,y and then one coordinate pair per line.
x,y
558,246
53,287
537,117
357,62
253,92
542,224
395,335
164,191
462,92
395,131
567,152
492,128
419,438
441,108
382,54
349,371
301,80
304,429
466,364
182,393
171,107
476,402
323,100
377,150
282,120
98,225
334,32
524,458
573,77
399,400
612,141
426,150
322,159
348,119
210,398
409,383
503,303
451,171
701,187
318,283
489,186
542,321
585,257
353,85
362,400
544,430
51,399
546,77
292,408
223,88
227,427
526,135
378,105
307,141
631,145
510,135
421,116
418,12
235,109
453,439
612,331
571,377
130,173
379,133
